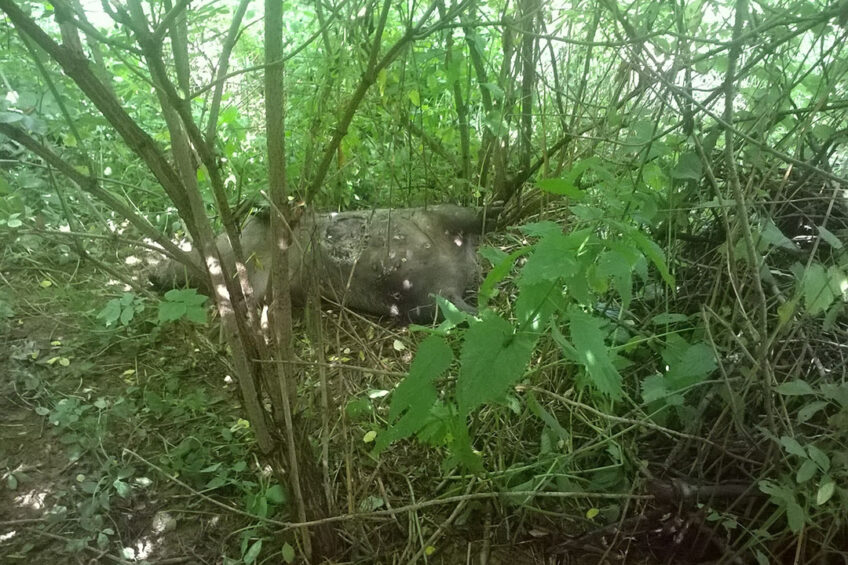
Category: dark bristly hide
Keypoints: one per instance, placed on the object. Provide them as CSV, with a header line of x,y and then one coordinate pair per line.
x,y
389,262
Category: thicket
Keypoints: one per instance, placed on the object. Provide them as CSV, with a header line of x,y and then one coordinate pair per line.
x,y
657,369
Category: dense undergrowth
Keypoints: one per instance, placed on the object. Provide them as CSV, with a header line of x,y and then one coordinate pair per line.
x,y
656,373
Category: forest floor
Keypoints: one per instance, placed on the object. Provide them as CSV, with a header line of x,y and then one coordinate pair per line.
x,y
76,422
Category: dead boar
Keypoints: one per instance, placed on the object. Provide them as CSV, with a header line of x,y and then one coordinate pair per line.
x,y
388,262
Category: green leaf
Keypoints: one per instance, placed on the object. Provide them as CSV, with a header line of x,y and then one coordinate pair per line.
x,y
287,553
122,488
826,490
806,471
688,364
810,410
654,388
111,312
668,318
828,236
276,494
792,446
493,358
794,388
553,257
171,311
820,457
416,394
654,254
252,553
688,167
772,235
127,315
795,516
816,288
561,187
502,266
619,266
593,354
415,98
10,117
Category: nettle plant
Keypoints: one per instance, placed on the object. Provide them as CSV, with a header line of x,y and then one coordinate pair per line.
x,y
573,289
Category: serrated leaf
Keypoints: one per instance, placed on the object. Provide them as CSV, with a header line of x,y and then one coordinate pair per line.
x,y
654,388
171,311
561,187
493,358
654,254
416,394
502,266
593,353
794,388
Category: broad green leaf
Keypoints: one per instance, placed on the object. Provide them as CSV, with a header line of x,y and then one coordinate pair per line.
x,y
415,98
795,516
588,339
276,494
10,117
553,258
655,254
654,388
794,388
618,265
816,288
127,315
287,553
806,471
688,167
562,187
772,235
568,350
791,445
820,457
493,358
810,410
537,302
668,318
541,229
688,364
171,311
416,394
111,313
829,237
826,490
500,270
252,553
